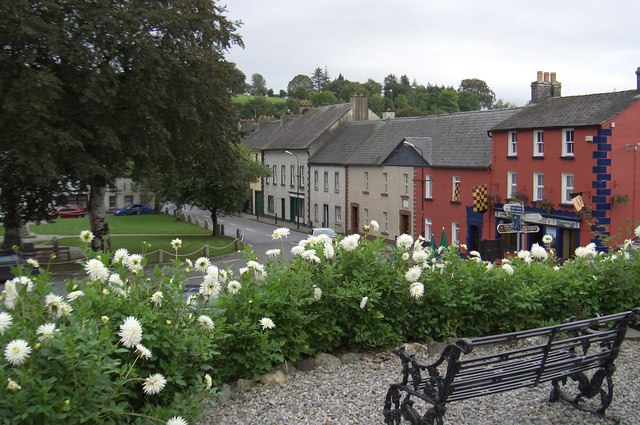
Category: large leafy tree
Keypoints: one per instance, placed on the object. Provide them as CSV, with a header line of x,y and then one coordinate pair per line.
x,y
258,85
137,82
300,86
485,95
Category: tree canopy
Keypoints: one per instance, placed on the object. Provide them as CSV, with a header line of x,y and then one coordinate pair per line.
x,y
128,85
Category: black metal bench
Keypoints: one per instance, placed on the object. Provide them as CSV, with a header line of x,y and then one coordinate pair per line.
x,y
560,354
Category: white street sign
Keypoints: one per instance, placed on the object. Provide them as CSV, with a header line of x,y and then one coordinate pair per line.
x,y
535,217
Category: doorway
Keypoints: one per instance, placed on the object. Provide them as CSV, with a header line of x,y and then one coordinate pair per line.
x,y
325,215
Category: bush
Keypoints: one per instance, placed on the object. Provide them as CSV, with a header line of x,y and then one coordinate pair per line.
x,y
130,346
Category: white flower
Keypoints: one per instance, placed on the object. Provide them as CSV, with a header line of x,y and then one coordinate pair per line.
x,y
297,250
586,251
176,244
177,420
202,264
13,385
273,253
210,287
134,262
350,242
54,304
143,352
25,281
310,255
474,254
413,274
281,232
489,266
213,273
130,332
538,252
405,256
96,270
363,302
404,241
66,309
416,290
267,323
115,279
523,254
208,382
234,287
5,322
637,231
33,263
154,384
72,296
206,322
328,250
86,236
374,225
507,268
120,255
547,239
317,293
420,255
243,270
46,331
17,352
156,298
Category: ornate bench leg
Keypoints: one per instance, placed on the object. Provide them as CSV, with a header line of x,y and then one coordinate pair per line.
x,y
391,410
600,384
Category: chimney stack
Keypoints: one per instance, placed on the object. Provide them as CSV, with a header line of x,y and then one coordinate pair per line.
x,y
638,80
545,86
359,107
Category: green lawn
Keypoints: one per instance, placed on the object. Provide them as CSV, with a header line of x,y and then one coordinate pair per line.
x,y
130,232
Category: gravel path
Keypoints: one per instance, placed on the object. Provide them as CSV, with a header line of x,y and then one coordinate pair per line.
x,y
354,394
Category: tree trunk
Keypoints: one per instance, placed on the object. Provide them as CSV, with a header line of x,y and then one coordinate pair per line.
x,y
214,222
11,229
98,219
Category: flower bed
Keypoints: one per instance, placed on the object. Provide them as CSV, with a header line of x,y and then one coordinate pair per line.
x,y
125,345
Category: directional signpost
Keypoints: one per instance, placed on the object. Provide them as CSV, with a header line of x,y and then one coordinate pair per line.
x,y
515,210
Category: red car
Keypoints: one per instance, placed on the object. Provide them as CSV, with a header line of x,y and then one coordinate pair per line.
x,y
71,211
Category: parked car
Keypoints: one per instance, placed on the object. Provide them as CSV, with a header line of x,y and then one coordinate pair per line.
x,y
71,211
317,231
9,260
135,209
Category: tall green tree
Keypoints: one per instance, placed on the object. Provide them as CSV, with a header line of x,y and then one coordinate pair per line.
x,y
137,83
258,85
300,86
320,79
485,95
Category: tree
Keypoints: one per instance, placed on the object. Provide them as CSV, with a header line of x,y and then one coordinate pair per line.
x,y
485,95
320,79
322,98
237,83
140,87
300,86
220,191
503,104
258,85
468,101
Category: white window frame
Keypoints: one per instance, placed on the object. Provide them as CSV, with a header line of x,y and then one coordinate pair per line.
x,y
538,143
568,184
428,186
336,182
568,142
326,181
428,229
366,216
512,149
385,220
271,203
315,180
301,176
405,176
274,176
538,186
455,233
366,180
454,180
338,215
512,183
283,175
385,178
292,182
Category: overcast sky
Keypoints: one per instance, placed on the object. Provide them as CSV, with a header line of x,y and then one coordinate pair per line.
x,y
592,45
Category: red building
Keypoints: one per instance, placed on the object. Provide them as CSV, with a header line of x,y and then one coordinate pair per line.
x,y
572,160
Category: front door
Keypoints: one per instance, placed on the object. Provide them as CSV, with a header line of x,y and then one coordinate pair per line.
x,y
355,219
282,208
405,223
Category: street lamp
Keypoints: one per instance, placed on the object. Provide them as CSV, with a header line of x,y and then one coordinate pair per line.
x,y
298,189
411,145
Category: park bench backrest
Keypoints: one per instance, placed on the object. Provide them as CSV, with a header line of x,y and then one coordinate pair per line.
x,y
564,349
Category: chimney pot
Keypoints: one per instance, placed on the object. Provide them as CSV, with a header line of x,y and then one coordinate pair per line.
x,y
539,79
546,77
638,80
553,77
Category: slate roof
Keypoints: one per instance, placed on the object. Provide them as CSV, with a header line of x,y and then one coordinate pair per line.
x,y
570,111
458,140
266,131
304,130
